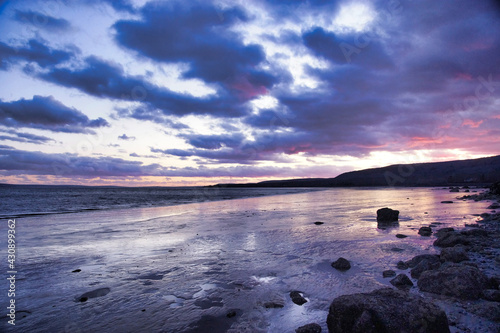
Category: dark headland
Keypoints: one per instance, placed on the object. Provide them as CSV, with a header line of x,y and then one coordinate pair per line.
x,y
480,171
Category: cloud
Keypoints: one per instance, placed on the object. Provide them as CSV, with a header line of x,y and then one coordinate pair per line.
x,y
42,21
214,141
46,113
126,137
205,42
14,162
358,49
35,51
20,162
26,137
150,114
105,79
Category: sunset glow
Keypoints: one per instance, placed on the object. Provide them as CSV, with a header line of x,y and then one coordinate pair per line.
x,y
182,93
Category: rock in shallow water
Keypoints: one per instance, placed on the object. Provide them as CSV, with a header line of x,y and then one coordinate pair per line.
x,y
402,265
385,310
387,215
456,280
309,328
341,264
401,236
297,297
402,282
93,294
425,231
388,273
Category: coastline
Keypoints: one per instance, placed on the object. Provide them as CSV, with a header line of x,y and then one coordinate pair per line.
x,y
183,263
462,280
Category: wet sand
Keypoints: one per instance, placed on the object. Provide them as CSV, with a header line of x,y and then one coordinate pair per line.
x,y
185,268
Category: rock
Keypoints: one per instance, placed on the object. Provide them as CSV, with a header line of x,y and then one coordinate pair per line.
x,y
93,294
341,264
402,282
441,232
397,249
76,270
423,266
388,273
297,298
495,188
385,310
460,281
451,239
475,232
231,314
453,254
273,305
319,223
491,295
387,215
455,190
401,236
494,206
447,201
489,310
309,328
425,231
417,259
402,265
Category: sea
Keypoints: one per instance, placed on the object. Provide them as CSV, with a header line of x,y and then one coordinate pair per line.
x,y
205,259
28,200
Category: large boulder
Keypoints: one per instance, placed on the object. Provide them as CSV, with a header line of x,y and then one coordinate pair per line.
x,y
385,310
456,280
387,215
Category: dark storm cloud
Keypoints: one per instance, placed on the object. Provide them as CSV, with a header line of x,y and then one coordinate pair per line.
x,y
36,51
42,21
198,34
105,79
46,113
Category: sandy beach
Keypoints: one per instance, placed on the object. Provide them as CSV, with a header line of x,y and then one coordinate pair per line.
x,y
219,266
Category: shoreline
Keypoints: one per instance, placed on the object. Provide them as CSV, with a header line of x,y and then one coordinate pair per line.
x,y
463,280
208,259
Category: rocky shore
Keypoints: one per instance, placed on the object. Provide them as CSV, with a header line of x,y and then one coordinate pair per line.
x,y
455,291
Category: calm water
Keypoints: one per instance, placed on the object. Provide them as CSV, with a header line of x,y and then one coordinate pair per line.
x,y
17,201
182,268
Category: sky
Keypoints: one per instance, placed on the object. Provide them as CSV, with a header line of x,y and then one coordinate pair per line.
x,y
185,93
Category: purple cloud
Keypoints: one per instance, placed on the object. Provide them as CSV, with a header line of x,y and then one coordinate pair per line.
x,y
215,55
46,113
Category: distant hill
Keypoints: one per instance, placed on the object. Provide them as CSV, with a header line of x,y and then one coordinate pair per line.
x,y
480,171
